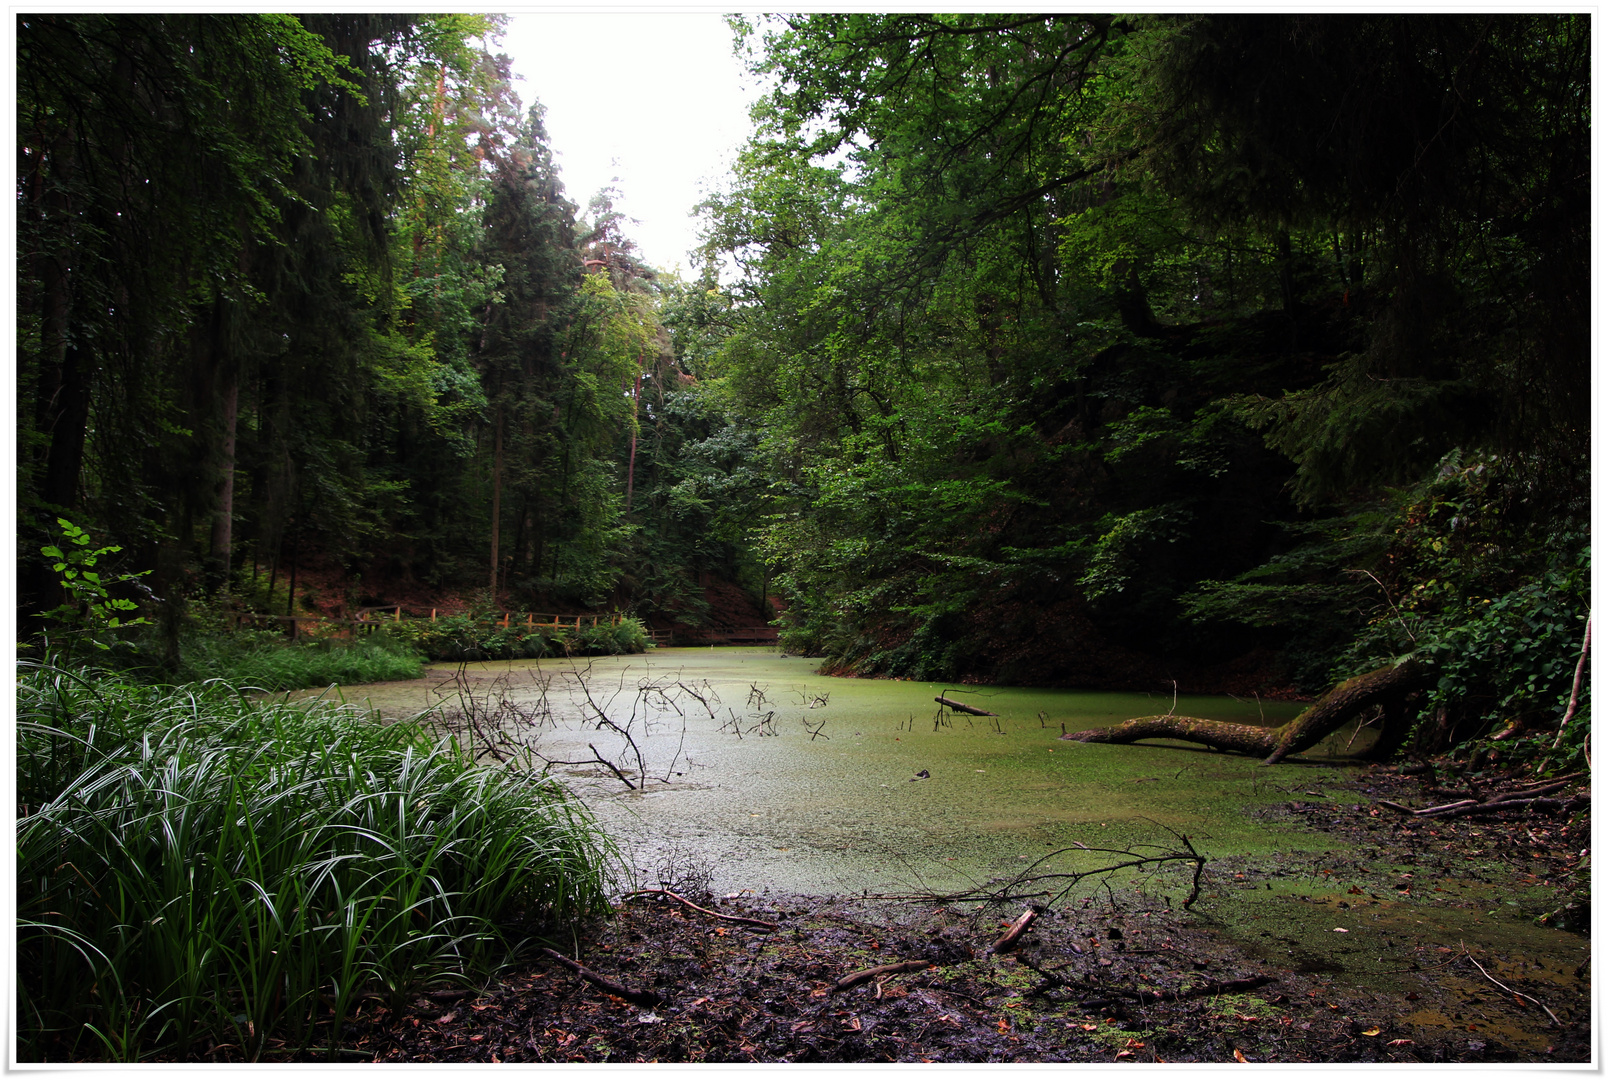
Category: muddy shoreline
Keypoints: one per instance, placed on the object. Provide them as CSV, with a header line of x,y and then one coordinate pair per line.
x,y
1407,941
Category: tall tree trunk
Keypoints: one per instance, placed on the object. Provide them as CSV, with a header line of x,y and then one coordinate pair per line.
x,y
1383,686
496,500
63,404
221,548
1286,263
290,601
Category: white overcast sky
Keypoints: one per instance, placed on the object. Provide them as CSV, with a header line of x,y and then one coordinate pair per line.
x,y
656,98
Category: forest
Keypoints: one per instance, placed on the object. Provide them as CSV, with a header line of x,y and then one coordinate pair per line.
x,y
1240,354
1233,354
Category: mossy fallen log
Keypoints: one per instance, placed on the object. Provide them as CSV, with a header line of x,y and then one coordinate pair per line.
x,y
1382,686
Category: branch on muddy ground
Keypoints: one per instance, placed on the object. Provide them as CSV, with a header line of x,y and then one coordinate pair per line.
x,y
1044,888
856,978
760,924
1507,800
1512,991
647,999
1156,997
1008,940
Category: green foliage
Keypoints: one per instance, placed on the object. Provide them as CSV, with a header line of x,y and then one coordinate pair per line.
x,y
1489,576
480,635
90,614
1132,320
195,867
264,660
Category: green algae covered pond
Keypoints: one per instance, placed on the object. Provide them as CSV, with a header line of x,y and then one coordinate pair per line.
x,y
756,779
770,776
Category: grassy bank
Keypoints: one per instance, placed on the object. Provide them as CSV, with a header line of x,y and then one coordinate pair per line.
x,y
264,660
196,868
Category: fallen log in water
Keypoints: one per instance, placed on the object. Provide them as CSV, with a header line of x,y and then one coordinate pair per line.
x,y
961,706
1384,686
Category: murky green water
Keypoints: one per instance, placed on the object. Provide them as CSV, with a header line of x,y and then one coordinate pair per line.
x,y
828,804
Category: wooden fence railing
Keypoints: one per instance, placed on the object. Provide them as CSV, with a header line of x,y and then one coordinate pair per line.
x,y
371,618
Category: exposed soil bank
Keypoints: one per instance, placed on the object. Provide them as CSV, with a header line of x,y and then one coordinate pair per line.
x,y
1404,941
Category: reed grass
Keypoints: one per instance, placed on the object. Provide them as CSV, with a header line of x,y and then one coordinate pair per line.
x,y
198,869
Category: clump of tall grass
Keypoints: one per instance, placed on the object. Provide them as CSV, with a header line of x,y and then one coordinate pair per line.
x,y
264,660
196,868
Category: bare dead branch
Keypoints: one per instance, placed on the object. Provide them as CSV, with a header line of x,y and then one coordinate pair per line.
x,y
850,981
759,924
644,998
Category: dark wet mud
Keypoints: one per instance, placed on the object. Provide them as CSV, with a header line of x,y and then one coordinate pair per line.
x,y
1382,939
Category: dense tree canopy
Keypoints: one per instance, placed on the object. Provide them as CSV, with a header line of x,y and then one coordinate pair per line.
x,y
1245,352
1221,349
309,291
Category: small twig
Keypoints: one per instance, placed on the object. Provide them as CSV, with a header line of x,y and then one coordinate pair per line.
x,y
1391,602
759,923
1512,991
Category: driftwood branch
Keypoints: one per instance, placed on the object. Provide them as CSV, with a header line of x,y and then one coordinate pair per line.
x,y
647,999
759,924
855,979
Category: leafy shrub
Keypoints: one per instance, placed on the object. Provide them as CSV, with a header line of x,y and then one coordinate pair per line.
x,y
193,865
1496,605
481,636
89,614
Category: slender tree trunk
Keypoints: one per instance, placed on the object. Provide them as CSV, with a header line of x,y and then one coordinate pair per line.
x,y
1286,260
295,553
220,558
630,472
496,499
63,404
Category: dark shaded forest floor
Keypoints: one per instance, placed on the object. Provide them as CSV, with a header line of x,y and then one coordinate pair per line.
x,y
1412,940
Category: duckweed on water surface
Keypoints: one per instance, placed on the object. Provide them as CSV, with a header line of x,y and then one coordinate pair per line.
x,y
845,811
